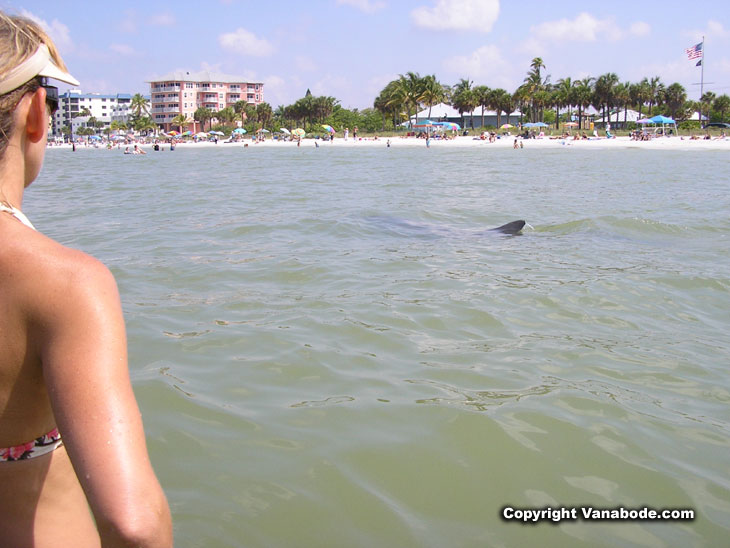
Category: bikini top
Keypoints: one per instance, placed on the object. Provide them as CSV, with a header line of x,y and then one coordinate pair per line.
x,y
15,212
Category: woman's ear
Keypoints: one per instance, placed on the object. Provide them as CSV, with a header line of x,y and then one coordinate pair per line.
x,y
36,117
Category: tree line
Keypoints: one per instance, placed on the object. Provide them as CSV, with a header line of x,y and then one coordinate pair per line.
x,y
537,99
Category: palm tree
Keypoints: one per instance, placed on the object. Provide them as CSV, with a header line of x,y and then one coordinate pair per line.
x,y
722,104
604,92
264,113
483,96
383,104
407,92
464,99
675,96
622,98
707,99
145,125
655,89
226,115
203,115
180,120
563,97
502,102
432,92
533,84
582,96
139,105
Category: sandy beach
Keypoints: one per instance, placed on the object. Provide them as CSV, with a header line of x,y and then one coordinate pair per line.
x,y
659,143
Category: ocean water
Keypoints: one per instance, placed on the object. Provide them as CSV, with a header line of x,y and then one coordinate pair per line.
x,y
329,349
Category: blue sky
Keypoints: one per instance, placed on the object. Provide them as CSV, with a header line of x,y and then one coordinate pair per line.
x,y
351,49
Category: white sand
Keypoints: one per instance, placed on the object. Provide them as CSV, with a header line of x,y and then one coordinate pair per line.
x,y
659,143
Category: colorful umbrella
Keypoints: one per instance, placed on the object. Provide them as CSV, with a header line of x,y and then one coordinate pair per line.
x,y
240,130
172,133
299,132
329,129
506,126
285,131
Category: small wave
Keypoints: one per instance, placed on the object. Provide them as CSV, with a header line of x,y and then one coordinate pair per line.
x,y
619,226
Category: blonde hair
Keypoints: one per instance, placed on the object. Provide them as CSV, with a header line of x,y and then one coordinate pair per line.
x,y
19,39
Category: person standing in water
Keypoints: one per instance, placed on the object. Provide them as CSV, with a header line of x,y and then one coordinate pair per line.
x,y
71,435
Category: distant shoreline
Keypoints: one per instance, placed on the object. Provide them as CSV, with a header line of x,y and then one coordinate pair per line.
x,y
659,143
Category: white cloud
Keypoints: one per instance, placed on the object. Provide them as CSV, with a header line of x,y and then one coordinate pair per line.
x,y
367,6
162,20
640,29
479,15
122,49
58,32
486,63
583,28
713,30
244,42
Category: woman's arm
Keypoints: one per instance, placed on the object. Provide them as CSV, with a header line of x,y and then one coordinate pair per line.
x,y
84,356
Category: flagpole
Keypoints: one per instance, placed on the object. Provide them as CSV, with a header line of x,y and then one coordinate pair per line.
x,y
702,80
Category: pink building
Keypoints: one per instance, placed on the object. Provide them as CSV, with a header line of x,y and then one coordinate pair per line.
x,y
185,92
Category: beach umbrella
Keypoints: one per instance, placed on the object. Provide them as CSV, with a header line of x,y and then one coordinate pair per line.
x,y
186,134
285,131
201,135
644,121
216,133
328,128
262,131
239,130
451,125
506,126
571,124
540,124
94,137
659,119
424,123
299,132
172,133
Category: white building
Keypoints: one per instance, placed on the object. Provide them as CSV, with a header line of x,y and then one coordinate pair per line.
x,y
105,108
446,113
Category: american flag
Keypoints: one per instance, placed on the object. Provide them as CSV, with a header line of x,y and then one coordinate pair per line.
x,y
695,51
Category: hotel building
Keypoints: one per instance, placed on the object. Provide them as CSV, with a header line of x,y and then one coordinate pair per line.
x,y
185,92
105,108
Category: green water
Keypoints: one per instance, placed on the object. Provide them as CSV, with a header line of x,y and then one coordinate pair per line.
x,y
329,350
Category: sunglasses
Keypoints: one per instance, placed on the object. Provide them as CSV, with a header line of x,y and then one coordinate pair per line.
x,y
51,96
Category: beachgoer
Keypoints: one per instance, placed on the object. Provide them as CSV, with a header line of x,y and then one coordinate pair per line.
x,y
347,133
387,143
515,145
354,133
63,366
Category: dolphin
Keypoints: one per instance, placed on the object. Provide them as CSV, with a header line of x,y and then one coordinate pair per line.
x,y
515,227
408,228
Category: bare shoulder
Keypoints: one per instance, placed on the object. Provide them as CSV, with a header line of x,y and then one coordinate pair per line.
x,y
51,278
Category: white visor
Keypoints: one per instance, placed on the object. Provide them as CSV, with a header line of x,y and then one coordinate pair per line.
x,y
38,64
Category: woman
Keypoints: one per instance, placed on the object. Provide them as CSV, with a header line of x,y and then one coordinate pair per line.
x,y
63,365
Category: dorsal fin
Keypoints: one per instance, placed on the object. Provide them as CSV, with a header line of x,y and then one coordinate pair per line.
x,y
510,228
